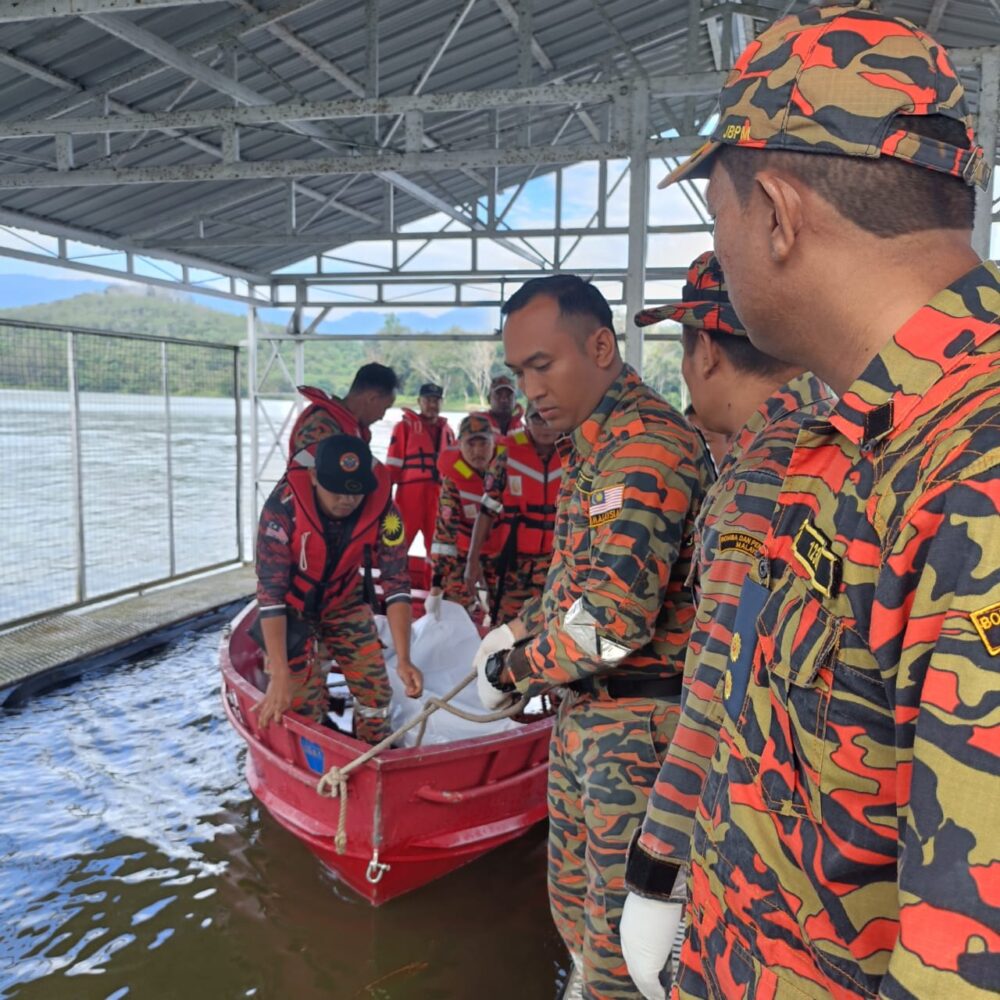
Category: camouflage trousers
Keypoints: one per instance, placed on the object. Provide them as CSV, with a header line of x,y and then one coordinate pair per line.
x,y
349,637
452,570
524,580
603,762
418,504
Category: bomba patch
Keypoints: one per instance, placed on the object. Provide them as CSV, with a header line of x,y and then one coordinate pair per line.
x,y
349,462
815,554
740,541
987,622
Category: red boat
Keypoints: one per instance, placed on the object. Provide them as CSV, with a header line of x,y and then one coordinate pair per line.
x,y
413,814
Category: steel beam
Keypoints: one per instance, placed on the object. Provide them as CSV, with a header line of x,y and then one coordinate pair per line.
x,y
987,130
34,10
638,217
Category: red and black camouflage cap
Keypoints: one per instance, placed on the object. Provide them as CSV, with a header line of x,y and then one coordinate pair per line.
x,y
832,80
474,425
704,301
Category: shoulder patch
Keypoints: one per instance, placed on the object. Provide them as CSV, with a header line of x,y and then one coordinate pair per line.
x,y
740,541
392,529
605,504
987,622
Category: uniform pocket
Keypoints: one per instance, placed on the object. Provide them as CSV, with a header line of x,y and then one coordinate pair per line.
x,y
799,640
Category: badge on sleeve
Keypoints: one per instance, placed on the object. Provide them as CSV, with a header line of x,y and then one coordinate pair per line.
x,y
814,553
741,649
392,530
605,504
987,622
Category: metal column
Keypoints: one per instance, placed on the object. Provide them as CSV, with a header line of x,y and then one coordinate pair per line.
x,y
638,218
989,113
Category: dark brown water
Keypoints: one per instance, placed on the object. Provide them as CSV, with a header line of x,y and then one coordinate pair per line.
x,y
135,863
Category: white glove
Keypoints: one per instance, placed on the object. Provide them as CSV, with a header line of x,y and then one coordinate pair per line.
x,y
493,642
432,606
648,929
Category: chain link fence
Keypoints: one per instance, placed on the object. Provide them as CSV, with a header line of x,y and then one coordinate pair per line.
x,y
121,464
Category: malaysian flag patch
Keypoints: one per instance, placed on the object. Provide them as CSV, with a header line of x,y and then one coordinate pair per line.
x,y
274,530
605,504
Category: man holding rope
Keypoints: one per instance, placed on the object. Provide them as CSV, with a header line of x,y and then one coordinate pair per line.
x,y
611,626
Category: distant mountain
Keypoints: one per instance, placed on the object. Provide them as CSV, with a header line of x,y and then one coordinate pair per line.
x,y
19,290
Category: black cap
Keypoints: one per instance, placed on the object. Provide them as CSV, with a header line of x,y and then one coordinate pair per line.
x,y
430,389
344,465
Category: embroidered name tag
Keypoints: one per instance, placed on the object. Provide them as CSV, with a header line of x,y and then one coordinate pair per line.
x,y
605,504
987,622
815,554
740,541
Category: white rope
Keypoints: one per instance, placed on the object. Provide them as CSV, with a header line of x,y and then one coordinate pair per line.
x,y
333,784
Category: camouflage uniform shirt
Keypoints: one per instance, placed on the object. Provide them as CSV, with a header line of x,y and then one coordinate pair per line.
x,y
615,597
732,526
845,843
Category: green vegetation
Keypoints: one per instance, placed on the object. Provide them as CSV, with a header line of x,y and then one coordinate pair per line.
x,y
36,359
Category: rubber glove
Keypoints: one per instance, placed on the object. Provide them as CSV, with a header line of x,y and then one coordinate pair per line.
x,y
648,929
432,605
493,642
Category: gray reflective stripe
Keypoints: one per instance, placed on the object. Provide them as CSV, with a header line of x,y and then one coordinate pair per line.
x,y
397,597
525,470
304,458
372,713
443,549
492,505
389,460
271,610
474,497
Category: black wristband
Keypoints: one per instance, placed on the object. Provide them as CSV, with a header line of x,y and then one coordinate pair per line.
x,y
646,875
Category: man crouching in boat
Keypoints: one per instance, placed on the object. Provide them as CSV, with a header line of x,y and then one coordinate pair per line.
x,y
318,529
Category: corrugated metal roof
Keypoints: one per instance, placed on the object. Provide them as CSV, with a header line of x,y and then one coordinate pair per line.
x,y
75,65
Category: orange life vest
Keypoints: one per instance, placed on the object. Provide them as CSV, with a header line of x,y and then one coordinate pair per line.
x,y
414,459
531,495
516,422
469,483
310,592
342,416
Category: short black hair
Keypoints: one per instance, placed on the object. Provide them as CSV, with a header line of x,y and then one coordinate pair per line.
x,y
381,378
886,197
575,296
743,356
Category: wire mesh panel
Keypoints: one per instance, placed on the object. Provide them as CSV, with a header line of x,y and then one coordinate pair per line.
x,y
120,459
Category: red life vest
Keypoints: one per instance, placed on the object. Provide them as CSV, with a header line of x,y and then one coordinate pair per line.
x,y
320,399
413,457
310,592
516,422
469,483
531,495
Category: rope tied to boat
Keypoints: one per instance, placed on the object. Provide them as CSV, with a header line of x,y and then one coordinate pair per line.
x,y
333,784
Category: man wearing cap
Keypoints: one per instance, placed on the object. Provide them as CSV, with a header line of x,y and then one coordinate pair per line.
x,y
759,404
610,628
520,492
316,530
462,470
503,415
372,392
844,843
417,442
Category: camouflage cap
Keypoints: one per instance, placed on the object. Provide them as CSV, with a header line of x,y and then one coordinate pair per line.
x,y
474,425
704,301
832,80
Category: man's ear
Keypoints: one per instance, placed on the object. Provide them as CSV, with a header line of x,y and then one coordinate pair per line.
x,y
603,347
707,355
784,203
312,477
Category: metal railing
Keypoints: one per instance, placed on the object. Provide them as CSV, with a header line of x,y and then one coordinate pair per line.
x,y
121,464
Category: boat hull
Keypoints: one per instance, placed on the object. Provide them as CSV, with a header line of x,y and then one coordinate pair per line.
x,y
412,814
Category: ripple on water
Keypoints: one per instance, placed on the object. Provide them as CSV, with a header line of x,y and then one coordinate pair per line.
x,y
134,862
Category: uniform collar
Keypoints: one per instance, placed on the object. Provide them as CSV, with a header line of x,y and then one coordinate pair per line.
x,y
587,434
799,393
932,342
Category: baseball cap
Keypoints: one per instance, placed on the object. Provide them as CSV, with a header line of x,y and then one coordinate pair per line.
x,y
474,425
501,381
430,389
704,301
344,465
832,80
